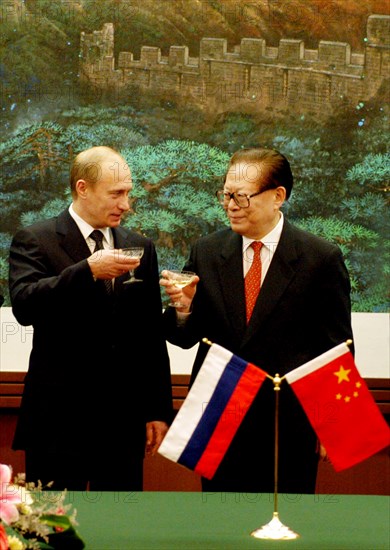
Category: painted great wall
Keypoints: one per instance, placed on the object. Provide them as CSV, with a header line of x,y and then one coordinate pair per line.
x,y
253,77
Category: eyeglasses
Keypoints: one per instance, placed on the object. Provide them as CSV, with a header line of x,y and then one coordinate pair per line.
x,y
241,199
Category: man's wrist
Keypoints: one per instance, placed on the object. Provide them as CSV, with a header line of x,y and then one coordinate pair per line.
x,y
182,316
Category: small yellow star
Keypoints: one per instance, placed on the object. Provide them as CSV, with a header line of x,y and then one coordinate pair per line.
x,y
358,384
356,394
342,374
347,399
339,396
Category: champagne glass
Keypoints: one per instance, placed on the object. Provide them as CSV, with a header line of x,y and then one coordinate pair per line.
x,y
133,252
179,279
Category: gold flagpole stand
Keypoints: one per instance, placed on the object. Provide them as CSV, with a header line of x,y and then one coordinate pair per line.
x,y
275,530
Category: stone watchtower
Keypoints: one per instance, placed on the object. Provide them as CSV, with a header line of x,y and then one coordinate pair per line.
x,y
252,77
97,56
377,51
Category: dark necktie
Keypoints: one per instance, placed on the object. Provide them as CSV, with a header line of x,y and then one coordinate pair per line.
x,y
253,280
97,236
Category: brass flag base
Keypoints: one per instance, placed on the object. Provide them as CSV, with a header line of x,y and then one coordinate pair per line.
x,y
274,530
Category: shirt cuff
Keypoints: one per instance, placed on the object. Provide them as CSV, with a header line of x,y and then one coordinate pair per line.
x,y
181,317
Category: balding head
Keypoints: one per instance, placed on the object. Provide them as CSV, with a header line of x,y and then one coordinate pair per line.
x,y
100,181
88,165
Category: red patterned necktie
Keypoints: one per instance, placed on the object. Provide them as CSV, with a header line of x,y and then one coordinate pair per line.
x,y
253,280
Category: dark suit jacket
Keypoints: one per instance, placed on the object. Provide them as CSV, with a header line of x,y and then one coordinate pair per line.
x,y
99,367
303,309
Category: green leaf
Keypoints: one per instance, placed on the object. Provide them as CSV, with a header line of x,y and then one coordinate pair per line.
x,y
56,520
66,540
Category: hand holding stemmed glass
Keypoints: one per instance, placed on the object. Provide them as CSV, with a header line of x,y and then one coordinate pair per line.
x,y
133,252
174,282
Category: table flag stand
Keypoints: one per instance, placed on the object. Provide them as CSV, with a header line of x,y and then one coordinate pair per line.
x,y
275,529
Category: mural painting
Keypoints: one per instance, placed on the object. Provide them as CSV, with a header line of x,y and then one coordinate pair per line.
x,y
177,86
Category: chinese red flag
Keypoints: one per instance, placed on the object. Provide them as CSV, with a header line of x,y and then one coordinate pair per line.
x,y
340,407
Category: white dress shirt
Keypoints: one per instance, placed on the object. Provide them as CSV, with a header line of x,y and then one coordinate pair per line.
x,y
86,230
270,243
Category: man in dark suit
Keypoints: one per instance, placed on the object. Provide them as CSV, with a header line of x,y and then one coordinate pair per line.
x,y
98,384
301,311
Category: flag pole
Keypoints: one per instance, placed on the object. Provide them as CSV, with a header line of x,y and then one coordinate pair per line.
x,y
276,461
274,530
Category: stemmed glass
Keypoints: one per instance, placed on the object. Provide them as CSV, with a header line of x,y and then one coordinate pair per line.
x,y
133,252
179,279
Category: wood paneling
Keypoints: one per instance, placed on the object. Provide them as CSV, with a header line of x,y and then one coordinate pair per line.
x,y
8,418
369,477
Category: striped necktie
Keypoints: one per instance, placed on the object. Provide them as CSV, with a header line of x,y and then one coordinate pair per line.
x,y
253,280
97,236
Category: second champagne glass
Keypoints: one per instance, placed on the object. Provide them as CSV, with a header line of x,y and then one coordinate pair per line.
x,y
133,252
179,279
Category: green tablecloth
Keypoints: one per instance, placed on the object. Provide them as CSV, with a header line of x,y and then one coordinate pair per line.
x,y
171,520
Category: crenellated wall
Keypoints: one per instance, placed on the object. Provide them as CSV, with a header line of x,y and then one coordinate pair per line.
x,y
253,76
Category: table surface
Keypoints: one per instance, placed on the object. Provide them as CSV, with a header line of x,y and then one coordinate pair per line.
x,y
208,521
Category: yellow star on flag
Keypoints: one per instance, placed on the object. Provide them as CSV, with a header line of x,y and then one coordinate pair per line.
x,y
342,374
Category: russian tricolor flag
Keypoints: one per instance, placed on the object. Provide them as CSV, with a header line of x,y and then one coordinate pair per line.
x,y
212,412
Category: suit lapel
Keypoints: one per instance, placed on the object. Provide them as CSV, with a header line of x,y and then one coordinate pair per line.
x,y
230,272
70,237
73,241
280,273
121,237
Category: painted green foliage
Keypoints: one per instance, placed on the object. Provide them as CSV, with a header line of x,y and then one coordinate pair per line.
x,y
174,194
173,200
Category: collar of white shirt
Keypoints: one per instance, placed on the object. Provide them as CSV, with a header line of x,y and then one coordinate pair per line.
x,y
270,243
86,229
270,240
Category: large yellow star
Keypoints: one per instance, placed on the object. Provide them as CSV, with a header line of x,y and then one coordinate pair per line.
x,y
342,374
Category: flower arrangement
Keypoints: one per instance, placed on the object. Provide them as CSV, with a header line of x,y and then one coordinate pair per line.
x,y
31,519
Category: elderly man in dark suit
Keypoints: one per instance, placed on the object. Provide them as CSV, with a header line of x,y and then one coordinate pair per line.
x,y
98,384
301,310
